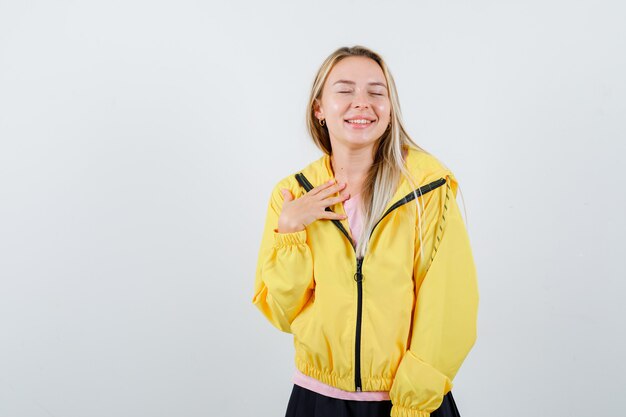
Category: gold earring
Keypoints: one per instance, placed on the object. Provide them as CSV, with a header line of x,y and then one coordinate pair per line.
x,y
322,122
388,126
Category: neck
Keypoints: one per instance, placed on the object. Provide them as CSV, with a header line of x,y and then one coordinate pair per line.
x,y
351,164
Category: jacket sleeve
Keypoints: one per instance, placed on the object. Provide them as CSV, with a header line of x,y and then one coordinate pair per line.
x,y
444,322
284,273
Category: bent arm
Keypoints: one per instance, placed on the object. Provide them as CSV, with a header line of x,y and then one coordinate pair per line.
x,y
284,273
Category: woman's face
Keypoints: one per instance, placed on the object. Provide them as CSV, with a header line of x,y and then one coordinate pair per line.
x,y
355,90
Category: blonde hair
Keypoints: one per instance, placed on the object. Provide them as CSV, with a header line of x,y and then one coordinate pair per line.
x,y
388,166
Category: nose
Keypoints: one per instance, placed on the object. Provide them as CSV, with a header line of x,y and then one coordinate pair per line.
x,y
361,99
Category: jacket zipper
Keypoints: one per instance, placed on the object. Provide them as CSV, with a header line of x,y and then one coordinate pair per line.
x,y
358,276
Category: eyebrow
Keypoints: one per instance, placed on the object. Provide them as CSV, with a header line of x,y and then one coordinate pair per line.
x,y
352,83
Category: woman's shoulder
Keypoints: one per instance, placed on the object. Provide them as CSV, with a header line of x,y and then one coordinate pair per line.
x,y
426,166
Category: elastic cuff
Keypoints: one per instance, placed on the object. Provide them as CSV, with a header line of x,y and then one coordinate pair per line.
x,y
286,239
399,411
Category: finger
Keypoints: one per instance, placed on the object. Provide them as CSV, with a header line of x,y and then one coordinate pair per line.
x,y
332,201
331,190
323,186
286,194
327,214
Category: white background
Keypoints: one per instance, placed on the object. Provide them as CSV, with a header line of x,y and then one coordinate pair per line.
x,y
139,142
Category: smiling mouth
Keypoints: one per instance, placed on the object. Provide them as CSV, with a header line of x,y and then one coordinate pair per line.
x,y
359,121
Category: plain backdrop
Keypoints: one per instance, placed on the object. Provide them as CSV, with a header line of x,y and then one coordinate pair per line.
x,y
139,143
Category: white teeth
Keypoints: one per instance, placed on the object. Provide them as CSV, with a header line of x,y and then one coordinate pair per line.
x,y
362,121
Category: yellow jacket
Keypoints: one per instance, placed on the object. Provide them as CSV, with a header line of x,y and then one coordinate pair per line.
x,y
391,321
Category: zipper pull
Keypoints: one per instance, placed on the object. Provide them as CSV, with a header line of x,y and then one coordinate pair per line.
x,y
358,276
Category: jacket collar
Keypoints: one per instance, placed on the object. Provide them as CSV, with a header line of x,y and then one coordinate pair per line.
x,y
425,168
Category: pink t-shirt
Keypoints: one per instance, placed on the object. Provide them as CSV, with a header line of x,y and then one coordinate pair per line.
x,y
355,217
351,206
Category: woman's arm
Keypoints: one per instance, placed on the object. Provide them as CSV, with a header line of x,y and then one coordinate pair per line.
x,y
444,322
284,274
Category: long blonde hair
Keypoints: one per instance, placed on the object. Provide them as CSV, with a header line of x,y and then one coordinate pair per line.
x,y
388,166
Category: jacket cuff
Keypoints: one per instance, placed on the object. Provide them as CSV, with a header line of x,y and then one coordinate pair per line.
x,y
399,411
287,239
418,388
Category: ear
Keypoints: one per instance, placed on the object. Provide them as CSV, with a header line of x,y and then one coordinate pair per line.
x,y
317,109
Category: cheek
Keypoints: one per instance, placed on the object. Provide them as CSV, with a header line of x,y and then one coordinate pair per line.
x,y
383,110
338,107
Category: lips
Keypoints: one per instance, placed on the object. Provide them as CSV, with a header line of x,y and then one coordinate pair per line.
x,y
371,119
362,125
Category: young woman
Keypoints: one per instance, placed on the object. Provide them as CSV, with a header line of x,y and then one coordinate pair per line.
x,y
365,257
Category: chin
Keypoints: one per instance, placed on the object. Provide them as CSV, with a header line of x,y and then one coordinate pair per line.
x,y
360,141
363,138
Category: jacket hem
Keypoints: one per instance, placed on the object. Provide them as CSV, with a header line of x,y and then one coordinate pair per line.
x,y
343,383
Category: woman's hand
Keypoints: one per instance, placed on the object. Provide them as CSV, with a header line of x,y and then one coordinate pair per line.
x,y
299,213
